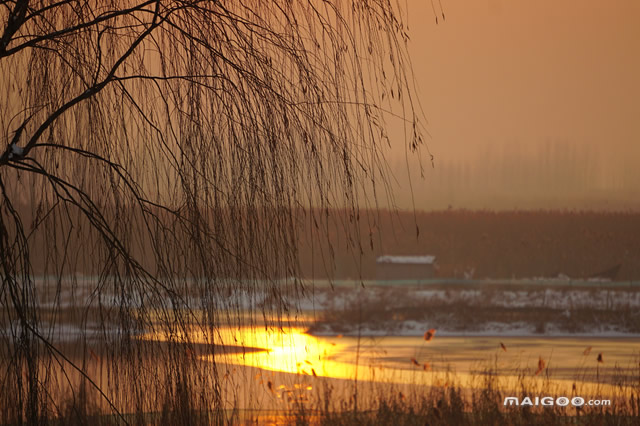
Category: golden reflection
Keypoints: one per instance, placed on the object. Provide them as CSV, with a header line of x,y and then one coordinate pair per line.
x,y
287,350
291,350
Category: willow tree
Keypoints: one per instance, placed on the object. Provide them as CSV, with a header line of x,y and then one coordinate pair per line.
x,y
163,156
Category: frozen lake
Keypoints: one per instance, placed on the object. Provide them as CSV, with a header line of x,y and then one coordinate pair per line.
x,y
569,362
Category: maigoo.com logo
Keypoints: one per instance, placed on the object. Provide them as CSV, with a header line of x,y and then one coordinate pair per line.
x,y
548,401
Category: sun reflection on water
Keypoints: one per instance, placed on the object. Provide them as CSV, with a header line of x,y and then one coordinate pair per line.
x,y
287,350
291,350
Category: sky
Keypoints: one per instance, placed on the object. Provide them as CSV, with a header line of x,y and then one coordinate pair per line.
x,y
530,105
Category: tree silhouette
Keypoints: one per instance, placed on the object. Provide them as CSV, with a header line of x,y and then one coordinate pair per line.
x,y
161,160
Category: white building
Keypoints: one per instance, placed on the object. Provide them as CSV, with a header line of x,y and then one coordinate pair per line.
x,y
405,267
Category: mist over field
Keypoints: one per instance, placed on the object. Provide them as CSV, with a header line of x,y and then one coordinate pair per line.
x,y
558,175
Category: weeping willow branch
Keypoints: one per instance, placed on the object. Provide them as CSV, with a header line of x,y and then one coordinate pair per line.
x,y
174,152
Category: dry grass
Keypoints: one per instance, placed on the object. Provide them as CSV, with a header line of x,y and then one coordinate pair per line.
x,y
382,404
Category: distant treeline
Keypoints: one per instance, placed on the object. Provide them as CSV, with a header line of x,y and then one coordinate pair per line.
x,y
344,244
486,244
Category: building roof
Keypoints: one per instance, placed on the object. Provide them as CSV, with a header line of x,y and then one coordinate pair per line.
x,y
407,260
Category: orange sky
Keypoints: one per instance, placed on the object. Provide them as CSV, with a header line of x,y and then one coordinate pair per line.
x,y
531,104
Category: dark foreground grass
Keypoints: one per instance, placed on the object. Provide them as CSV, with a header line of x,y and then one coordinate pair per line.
x,y
450,409
384,404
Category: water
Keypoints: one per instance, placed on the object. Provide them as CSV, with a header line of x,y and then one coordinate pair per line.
x,y
568,362
262,367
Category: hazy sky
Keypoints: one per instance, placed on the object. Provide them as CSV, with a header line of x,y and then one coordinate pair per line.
x,y
531,104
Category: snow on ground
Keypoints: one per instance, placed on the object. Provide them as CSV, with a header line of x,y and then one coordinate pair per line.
x,y
518,309
474,308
